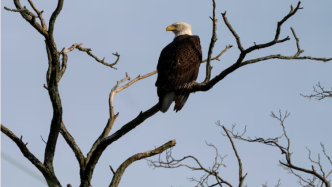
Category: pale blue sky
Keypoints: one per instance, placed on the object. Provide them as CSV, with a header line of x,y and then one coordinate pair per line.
x,y
136,30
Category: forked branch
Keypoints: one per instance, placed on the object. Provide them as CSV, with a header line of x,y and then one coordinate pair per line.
x,y
29,17
119,172
219,55
101,143
319,93
39,14
288,165
213,171
296,56
239,62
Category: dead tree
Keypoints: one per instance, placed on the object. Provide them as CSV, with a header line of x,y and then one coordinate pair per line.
x,y
57,64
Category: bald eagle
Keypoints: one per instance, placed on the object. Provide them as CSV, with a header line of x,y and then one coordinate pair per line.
x,y
178,67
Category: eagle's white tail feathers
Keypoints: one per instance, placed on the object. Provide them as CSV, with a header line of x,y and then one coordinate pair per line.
x,y
167,101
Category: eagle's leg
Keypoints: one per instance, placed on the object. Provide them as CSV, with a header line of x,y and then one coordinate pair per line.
x,y
166,101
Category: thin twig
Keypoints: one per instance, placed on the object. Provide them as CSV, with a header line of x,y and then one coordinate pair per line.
x,y
112,170
42,139
218,56
319,95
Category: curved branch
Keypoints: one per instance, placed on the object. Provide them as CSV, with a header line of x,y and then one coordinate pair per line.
x,y
54,16
52,75
241,177
119,172
87,50
73,145
276,38
238,41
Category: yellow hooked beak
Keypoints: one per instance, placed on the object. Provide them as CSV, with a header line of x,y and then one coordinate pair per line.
x,y
170,28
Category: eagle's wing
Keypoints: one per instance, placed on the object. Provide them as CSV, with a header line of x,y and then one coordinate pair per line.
x,y
178,67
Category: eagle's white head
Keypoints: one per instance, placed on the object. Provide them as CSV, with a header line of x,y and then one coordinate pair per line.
x,y
179,28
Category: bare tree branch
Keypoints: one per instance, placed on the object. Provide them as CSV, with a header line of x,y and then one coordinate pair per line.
x,y
65,59
213,41
39,14
328,158
49,175
288,165
222,52
199,87
119,172
277,185
87,50
319,95
53,73
73,145
28,16
279,56
276,38
42,139
53,91
49,69
112,117
112,170
54,16
207,86
176,163
103,141
238,41
23,148
57,69
241,177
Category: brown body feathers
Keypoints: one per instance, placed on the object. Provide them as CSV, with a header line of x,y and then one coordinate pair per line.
x,y
178,68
